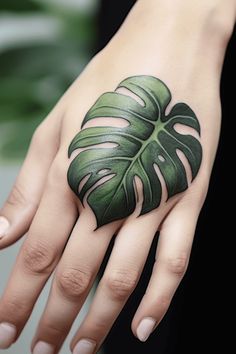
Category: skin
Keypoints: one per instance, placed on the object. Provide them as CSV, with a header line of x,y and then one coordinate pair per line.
x,y
43,205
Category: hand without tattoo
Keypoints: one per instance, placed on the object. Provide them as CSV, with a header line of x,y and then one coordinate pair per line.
x,y
149,142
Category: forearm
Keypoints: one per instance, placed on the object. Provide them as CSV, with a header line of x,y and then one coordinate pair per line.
x,y
214,16
191,33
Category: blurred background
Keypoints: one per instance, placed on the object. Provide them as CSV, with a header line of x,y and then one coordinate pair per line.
x,y
44,44
43,47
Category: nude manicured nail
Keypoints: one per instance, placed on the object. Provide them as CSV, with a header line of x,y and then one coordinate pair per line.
x,y
7,335
84,346
4,225
43,348
145,328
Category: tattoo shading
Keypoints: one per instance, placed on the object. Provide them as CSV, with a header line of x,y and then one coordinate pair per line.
x,y
147,142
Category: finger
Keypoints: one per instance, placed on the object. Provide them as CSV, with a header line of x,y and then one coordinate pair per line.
x,y
21,205
40,252
172,258
120,278
73,280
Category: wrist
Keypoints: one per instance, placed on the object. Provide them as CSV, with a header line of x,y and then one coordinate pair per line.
x,y
210,18
175,33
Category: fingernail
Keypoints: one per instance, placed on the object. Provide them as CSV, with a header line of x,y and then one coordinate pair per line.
x,y
43,348
4,225
7,335
145,328
84,346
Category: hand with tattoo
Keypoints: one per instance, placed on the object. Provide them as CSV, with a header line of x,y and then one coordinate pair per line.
x,y
127,151
145,148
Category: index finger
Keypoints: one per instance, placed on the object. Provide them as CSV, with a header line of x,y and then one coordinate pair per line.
x,y
37,259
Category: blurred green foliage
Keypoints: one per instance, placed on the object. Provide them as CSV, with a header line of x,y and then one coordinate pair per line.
x,y
43,47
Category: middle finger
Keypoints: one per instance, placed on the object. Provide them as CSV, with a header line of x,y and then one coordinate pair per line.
x,y
122,273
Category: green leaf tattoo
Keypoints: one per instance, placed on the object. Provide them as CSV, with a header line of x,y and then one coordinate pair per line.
x,y
149,140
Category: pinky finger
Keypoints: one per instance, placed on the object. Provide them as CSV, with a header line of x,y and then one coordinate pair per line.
x,y
172,258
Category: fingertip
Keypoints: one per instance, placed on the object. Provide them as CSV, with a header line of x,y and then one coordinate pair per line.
x,y
14,226
5,232
134,326
4,226
8,334
145,328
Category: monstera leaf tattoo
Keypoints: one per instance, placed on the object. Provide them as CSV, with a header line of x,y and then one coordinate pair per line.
x,y
147,142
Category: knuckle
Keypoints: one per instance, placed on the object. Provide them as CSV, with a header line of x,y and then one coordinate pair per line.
x,y
163,302
17,197
37,258
74,282
121,283
177,265
53,328
13,309
197,193
38,137
204,189
58,173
